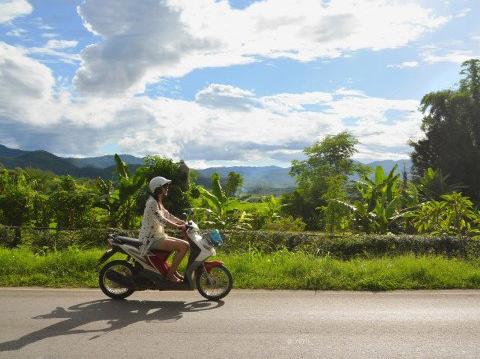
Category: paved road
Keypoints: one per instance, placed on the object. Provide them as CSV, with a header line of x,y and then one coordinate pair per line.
x,y
49,323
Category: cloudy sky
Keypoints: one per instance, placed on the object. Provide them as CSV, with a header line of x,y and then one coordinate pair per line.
x,y
219,82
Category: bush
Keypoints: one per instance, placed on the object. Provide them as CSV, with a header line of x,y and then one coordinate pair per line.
x,y
288,224
348,246
342,246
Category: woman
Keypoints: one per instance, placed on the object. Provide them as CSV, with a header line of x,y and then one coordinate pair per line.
x,y
155,218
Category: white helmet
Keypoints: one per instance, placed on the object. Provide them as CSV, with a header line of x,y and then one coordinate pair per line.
x,y
156,182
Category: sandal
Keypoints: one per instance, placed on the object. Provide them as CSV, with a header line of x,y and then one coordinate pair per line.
x,y
171,278
179,276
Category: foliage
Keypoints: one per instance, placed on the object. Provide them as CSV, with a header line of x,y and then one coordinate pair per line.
x,y
285,224
70,204
336,216
453,215
216,213
280,270
433,184
178,199
16,200
328,158
380,202
452,133
233,184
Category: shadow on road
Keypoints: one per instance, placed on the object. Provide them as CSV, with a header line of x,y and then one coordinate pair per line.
x,y
117,314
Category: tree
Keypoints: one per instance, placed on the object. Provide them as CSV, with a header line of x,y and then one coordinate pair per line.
x,y
327,159
451,125
16,201
380,202
178,199
233,184
453,214
70,204
216,211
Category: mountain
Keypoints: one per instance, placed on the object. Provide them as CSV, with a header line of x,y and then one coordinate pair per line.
x,y
49,162
104,161
10,152
266,179
389,164
255,178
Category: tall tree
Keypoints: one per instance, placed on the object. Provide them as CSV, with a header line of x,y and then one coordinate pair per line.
x,y
16,201
233,184
327,159
451,125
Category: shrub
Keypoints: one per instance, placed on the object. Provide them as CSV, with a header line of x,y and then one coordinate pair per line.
x,y
288,224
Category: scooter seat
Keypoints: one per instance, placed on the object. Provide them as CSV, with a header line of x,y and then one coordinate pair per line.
x,y
127,240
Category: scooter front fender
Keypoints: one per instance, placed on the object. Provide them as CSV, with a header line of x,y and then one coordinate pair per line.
x,y
212,264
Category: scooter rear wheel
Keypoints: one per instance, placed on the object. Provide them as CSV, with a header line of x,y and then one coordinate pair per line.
x,y
111,288
216,284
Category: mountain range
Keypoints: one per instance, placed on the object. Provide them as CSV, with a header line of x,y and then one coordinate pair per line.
x,y
265,179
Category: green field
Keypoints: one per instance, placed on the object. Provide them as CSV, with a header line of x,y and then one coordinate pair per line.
x,y
279,270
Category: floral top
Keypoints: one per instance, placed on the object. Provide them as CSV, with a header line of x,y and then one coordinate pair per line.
x,y
153,221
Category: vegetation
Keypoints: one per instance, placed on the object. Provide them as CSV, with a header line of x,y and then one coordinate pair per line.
x,y
452,132
279,270
339,210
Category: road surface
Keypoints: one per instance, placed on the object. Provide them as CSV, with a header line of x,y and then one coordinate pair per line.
x,y
53,323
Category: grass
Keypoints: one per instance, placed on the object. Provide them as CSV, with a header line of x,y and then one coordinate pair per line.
x,y
279,270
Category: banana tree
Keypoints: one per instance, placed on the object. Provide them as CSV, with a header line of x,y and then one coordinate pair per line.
x,y
380,200
216,212
120,203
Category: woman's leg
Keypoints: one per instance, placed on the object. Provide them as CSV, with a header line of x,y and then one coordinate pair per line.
x,y
173,244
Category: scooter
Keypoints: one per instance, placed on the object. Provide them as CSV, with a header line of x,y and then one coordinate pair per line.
x,y
118,279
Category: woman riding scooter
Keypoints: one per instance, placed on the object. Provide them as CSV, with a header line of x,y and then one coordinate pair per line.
x,y
152,232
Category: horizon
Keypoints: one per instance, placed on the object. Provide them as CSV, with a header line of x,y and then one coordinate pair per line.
x,y
225,83
195,168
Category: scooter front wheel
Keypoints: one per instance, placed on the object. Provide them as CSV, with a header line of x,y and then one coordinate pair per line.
x,y
216,284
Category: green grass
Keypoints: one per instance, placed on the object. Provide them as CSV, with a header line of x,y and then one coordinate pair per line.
x,y
279,270
247,206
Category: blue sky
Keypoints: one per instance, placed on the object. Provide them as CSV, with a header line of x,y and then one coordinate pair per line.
x,y
225,83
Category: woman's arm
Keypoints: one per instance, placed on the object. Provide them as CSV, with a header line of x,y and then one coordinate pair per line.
x,y
174,219
166,220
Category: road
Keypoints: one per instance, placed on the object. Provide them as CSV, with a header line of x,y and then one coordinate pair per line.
x,y
53,323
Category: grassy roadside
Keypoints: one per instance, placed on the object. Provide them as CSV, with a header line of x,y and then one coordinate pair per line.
x,y
279,270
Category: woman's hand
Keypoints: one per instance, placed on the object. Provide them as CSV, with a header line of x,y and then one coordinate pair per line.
x,y
182,227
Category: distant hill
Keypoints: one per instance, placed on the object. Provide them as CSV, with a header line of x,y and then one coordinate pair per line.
x,y
262,180
255,178
389,164
10,152
103,161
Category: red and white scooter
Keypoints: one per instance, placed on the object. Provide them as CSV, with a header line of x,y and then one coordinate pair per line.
x,y
120,278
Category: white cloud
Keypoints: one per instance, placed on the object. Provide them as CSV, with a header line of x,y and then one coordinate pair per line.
x,y
454,56
58,50
49,35
462,13
25,86
61,44
406,64
224,123
10,9
17,32
226,96
144,41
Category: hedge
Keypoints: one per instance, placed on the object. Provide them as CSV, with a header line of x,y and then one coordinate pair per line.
x,y
342,246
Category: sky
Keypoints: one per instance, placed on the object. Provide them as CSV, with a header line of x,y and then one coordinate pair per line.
x,y
218,82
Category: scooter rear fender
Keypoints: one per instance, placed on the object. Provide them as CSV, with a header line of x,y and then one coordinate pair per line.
x,y
107,255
